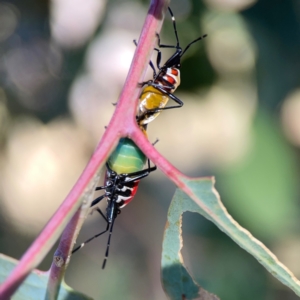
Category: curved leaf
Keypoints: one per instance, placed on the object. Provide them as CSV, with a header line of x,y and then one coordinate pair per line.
x,y
35,285
177,282
203,190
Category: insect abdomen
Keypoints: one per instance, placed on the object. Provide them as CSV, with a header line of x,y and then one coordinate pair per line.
x,y
151,99
126,158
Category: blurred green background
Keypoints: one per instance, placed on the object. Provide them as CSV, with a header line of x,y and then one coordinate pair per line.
x,y
63,64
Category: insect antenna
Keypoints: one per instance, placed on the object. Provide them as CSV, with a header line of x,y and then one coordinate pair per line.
x,y
196,40
150,62
108,242
174,26
176,34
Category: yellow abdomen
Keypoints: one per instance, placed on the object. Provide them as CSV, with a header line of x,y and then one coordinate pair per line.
x,y
151,99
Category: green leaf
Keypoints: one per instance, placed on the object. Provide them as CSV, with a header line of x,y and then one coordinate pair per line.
x,y
176,279
34,287
177,282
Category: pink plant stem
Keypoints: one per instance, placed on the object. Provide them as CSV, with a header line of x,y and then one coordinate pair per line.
x,y
61,257
174,174
122,124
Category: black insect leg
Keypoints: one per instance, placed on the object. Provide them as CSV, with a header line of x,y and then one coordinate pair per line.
x,y
99,188
97,200
150,63
102,214
156,110
95,236
158,57
151,169
139,174
164,46
172,96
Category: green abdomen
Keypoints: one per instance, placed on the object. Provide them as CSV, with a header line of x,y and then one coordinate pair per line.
x,y
127,157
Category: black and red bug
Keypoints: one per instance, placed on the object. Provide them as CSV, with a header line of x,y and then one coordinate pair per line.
x,y
166,79
124,170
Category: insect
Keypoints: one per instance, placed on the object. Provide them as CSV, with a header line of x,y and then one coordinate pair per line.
x,y
160,89
124,170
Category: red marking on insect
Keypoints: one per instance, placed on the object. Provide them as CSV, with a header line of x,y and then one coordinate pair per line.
x,y
170,79
133,189
174,71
